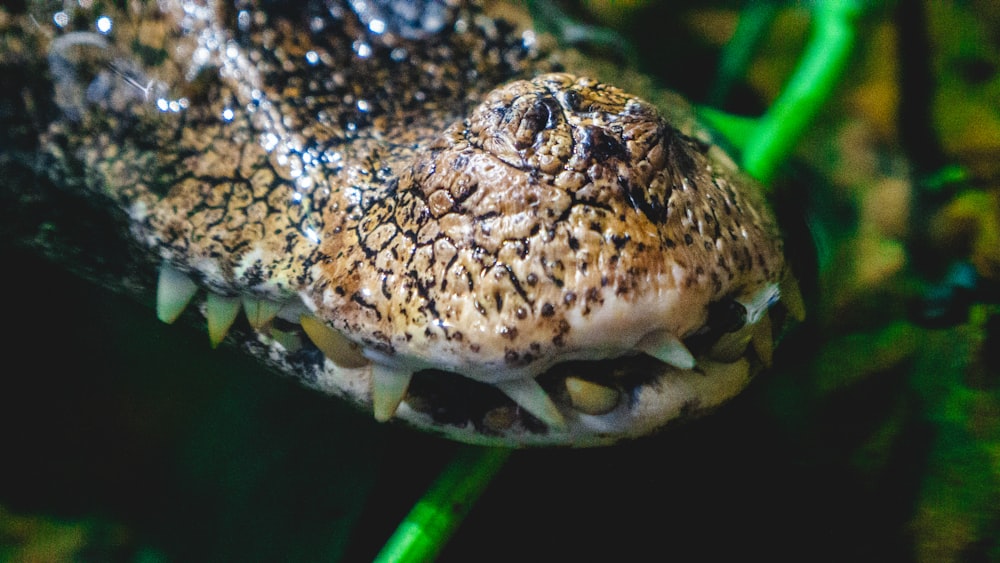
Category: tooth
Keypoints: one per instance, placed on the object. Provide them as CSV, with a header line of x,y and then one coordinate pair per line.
x,y
791,296
664,346
290,341
340,350
174,291
293,311
763,341
731,345
730,371
221,312
591,398
500,418
759,302
530,396
260,311
388,389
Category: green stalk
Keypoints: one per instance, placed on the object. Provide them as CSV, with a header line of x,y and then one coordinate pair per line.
x,y
735,129
755,19
809,87
436,516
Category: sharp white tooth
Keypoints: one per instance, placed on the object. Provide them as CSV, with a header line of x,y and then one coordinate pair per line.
x,y
334,345
591,398
260,311
791,296
664,346
221,312
174,291
388,389
530,396
763,340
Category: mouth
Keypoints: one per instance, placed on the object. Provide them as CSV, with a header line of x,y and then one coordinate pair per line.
x,y
595,402
577,402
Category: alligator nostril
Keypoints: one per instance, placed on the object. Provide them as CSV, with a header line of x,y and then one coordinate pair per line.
x,y
537,118
571,99
599,145
523,125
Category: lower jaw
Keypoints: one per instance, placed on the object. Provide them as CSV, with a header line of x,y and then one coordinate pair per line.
x,y
583,403
600,402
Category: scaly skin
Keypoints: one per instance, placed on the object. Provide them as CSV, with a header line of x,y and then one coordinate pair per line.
x,y
562,220
437,195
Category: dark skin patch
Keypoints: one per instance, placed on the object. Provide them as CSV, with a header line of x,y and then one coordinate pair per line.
x,y
600,146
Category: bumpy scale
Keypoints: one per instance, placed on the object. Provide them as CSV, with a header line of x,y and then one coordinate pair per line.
x,y
479,242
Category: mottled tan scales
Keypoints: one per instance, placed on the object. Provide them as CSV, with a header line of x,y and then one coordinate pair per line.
x,y
481,239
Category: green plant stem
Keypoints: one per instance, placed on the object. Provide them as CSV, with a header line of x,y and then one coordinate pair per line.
x,y
432,521
736,129
814,79
755,19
